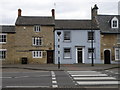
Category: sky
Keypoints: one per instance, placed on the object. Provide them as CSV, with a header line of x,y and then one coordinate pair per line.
x,y
64,9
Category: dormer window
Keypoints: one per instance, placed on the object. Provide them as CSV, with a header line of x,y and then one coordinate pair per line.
x,y
114,23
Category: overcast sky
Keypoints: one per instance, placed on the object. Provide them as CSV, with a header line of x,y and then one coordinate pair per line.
x,y
65,9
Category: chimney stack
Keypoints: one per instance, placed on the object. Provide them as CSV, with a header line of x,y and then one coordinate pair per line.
x,y
19,12
53,13
94,12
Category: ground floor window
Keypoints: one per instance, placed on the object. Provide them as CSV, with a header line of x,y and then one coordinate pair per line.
x,y
117,53
37,54
90,50
2,54
67,52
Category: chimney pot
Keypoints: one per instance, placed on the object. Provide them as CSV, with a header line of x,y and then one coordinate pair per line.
x,y
53,13
19,12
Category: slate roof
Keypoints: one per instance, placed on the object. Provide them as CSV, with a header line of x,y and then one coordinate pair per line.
x,y
34,20
7,29
74,25
104,22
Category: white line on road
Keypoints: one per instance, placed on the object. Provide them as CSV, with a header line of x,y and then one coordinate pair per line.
x,y
54,86
27,86
22,77
81,71
53,78
94,78
89,75
97,82
5,77
54,82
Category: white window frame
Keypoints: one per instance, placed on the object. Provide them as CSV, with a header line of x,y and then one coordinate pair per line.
x,y
64,54
2,39
90,54
112,22
37,41
5,54
37,28
69,36
116,58
37,54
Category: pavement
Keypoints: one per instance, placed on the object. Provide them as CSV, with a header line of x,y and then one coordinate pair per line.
x,y
63,67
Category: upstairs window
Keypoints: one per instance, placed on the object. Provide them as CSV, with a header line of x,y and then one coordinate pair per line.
x,y
37,41
2,54
67,36
3,38
91,36
114,23
37,28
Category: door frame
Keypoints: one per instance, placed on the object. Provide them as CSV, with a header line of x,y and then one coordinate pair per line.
x,y
82,54
104,54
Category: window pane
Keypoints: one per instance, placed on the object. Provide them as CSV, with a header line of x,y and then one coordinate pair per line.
x,y
37,41
67,35
67,53
90,35
37,54
37,28
2,54
2,38
90,50
117,53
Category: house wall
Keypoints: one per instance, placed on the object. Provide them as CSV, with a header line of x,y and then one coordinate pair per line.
x,y
108,42
9,46
24,47
79,38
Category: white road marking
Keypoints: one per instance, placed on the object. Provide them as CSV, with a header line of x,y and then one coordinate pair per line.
x,y
94,78
5,77
54,81
90,75
21,77
54,86
81,71
27,86
53,78
97,82
90,78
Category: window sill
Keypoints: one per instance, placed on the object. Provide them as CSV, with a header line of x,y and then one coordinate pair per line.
x,y
67,58
90,58
89,41
37,45
37,57
67,41
3,43
2,59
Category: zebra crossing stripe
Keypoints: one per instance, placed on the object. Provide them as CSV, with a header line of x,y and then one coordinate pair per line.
x,y
94,78
89,75
97,82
